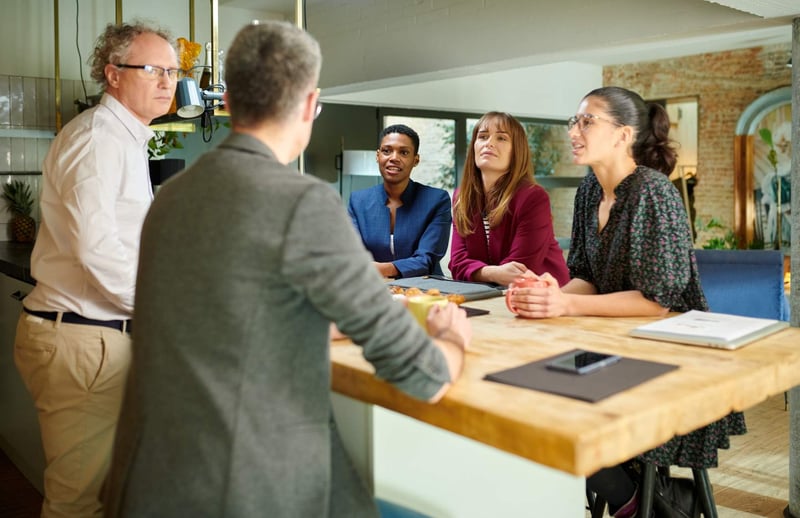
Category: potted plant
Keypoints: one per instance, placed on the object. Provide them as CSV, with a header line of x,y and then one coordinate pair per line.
x,y
161,167
727,241
20,204
163,143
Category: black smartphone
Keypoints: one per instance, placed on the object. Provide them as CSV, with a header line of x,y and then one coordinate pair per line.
x,y
581,362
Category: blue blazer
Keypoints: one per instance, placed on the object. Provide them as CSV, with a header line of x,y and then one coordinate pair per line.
x,y
421,227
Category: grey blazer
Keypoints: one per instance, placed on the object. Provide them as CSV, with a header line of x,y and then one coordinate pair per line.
x,y
243,265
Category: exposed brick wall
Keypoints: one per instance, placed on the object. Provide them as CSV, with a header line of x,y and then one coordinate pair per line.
x,y
724,83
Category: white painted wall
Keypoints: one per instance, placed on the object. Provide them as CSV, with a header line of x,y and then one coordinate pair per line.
x,y
547,91
27,30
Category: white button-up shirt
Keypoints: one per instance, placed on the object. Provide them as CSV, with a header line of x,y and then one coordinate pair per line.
x,y
95,194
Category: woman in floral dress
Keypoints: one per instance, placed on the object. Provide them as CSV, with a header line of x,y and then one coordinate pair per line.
x,y
631,255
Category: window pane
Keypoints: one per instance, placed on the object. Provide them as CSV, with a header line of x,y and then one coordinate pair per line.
x,y
551,155
470,126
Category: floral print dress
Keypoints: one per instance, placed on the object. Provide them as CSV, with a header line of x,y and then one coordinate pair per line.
x,y
646,246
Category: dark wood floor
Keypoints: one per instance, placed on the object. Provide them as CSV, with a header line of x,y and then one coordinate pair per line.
x,y
18,498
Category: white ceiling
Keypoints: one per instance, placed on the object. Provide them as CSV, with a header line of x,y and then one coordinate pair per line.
x,y
377,43
764,8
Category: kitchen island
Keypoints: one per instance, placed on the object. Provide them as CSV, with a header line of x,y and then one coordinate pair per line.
x,y
479,426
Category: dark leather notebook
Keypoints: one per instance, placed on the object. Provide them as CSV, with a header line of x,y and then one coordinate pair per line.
x,y
470,290
591,387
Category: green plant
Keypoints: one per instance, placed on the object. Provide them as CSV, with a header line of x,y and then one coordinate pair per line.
x,y
446,173
772,157
544,155
163,143
20,204
727,241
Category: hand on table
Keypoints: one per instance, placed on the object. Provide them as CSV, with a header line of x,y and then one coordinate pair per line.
x,y
449,323
543,301
502,274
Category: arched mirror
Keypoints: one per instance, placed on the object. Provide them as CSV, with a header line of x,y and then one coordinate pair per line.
x,y
762,172
682,113
683,131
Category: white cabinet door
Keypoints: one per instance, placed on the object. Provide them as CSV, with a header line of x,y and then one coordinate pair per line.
x,y
19,425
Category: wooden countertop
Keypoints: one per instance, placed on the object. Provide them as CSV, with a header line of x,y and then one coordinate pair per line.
x,y
572,435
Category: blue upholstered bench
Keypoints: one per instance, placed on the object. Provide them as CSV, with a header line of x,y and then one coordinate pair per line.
x,y
744,282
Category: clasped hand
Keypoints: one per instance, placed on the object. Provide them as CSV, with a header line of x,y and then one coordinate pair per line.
x,y
539,302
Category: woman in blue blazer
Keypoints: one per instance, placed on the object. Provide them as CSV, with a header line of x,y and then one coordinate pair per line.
x,y
403,223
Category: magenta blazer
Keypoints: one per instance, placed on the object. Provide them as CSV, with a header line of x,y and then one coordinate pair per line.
x,y
525,235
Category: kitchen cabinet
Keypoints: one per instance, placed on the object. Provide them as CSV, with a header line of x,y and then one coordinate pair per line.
x,y
19,426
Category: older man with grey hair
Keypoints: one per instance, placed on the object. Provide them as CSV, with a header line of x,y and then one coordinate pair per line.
x,y
73,343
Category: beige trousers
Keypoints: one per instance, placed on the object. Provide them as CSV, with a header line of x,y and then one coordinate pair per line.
x,y
76,375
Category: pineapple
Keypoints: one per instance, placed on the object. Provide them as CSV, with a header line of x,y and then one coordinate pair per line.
x,y
20,203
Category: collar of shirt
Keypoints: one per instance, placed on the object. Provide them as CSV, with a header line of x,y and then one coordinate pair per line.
x,y
139,131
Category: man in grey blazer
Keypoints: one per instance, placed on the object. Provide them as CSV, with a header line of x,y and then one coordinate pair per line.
x,y
244,265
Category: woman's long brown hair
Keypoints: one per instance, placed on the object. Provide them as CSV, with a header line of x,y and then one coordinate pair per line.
x,y
471,198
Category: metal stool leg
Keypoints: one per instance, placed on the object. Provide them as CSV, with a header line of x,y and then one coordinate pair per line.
x,y
705,492
648,489
598,506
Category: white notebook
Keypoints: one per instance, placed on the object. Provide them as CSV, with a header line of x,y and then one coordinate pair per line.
x,y
707,329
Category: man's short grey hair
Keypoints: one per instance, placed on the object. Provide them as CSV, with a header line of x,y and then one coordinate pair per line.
x,y
269,69
113,45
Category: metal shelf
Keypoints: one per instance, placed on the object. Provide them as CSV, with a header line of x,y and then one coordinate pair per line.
x,y
27,133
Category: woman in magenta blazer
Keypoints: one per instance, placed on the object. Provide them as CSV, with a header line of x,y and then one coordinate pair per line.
x,y
502,224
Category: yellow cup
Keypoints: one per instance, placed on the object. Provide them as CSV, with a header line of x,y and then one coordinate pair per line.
x,y
419,305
